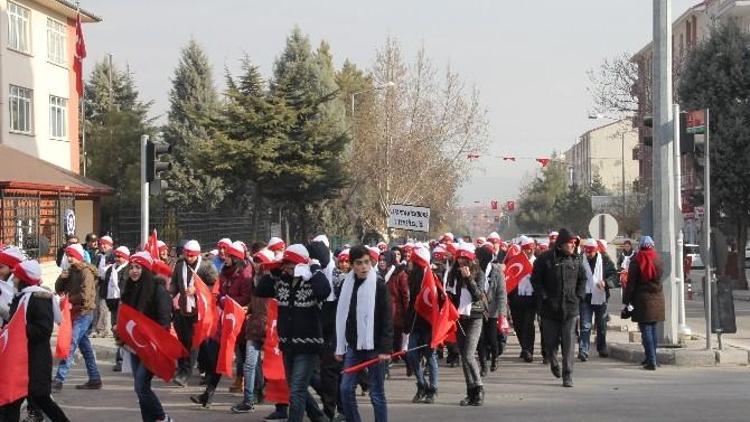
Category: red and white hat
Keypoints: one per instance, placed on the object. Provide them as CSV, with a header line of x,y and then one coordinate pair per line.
x,y
440,253
553,236
161,245
106,240
236,250
143,259
296,253
343,255
162,268
447,238
275,244
421,256
494,238
192,248
590,245
265,256
479,241
11,257
29,272
224,243
466,250
323,239
374,253
75,251
527,243
543,246
122,252
382,246
602,245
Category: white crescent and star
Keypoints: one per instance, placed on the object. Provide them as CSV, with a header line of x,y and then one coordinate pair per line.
x,y
129,326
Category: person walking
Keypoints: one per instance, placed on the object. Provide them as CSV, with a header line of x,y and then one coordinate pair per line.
x,y
523,307
600,278
102,258
644,293
114,281
497,304
559,282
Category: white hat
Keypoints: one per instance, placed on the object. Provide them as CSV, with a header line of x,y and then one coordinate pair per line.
x,y
343,254
466,250
76,251
481,240
30,272
447,237
11,256
123,252
225,242
322,238
296,253
106,239
589,243
421,256
275,244
265,256
192,248
493,236
525,240
237,250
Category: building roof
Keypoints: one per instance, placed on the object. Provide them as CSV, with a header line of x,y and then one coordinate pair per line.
x,y
69,9
19,170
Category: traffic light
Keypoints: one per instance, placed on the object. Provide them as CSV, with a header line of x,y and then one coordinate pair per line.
x,y
648,121
154,165
687,140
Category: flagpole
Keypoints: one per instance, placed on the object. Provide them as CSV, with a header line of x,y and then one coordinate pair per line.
x,y
360,366
83,100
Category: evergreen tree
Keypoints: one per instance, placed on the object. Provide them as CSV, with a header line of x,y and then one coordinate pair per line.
x,y
193,101
717,76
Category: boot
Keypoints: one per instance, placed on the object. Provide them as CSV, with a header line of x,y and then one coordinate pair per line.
x,y
493,365
237,386
470,396
420,394
479,396
205,398
429,397
483,368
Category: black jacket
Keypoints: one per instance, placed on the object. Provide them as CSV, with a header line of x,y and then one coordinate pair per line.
x,y
383,330
39,322
559,283
299,324
149,297
471,284
609,273
206,271
122,275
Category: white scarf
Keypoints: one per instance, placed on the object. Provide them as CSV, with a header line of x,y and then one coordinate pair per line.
x,y
113,287
56,312
448,288
626,261
486,284
389,274
103,267
365,312
328,271
189,299
598,296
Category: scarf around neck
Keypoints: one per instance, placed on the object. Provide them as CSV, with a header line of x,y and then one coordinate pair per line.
x,y
365,313
598,296
646,259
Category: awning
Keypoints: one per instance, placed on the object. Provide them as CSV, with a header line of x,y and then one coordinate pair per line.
x,y
22,171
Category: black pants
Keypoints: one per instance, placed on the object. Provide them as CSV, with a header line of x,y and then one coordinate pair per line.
x,y
523,311
560,333
12,411
488,342
208,356
326,383
114,306
183,326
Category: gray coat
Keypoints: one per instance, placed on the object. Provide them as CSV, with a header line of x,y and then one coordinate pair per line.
x,y
497,295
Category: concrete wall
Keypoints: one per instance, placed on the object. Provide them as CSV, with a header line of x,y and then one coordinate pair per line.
x,y
84,218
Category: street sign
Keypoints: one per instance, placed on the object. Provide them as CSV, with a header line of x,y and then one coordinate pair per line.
x,y
696,121
603,226
409,217
699,211
69,224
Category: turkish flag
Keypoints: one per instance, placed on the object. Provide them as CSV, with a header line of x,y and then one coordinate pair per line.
x,y
277,390
444,327
152,246
426,304
543,161
516,268
153,344
493,205
65,331
14,358
207,315
231,325
79,56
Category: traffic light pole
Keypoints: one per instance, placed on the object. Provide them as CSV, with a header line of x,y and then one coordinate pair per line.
x,y
144,191
683,328
707,260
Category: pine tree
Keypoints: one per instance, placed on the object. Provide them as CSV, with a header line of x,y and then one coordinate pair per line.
x,y
193,102
717,76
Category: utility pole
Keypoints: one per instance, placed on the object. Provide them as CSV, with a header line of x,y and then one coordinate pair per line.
x,y
683,328
663,165
708,259
144,192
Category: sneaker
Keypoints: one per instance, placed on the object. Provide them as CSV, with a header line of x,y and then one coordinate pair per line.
x,y
57,385
90,385
568,382
276,416
604,354
243,408
117,367
33,416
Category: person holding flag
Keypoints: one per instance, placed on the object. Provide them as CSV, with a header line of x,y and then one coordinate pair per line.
x,y
420,316
497,303
148,296
37,306
521,296
9,258
364,331
184,293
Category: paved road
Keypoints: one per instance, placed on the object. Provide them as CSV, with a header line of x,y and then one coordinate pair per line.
x,y
604,390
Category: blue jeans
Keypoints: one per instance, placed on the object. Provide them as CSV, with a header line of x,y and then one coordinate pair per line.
x,y
599,314
81,327
299,368
648,338
419,337
151,409
252,357
377,386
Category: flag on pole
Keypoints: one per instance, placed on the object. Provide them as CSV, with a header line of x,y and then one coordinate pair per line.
x,y
80,55
152,246
516,268
14,358
231,325
65,331
207,314
277,390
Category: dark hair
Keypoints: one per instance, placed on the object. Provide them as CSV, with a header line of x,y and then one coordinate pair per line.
x,y
454,275
627,242
484,257
357,252
91,237
256,247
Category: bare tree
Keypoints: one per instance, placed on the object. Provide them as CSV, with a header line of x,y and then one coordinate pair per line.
x,y
619,84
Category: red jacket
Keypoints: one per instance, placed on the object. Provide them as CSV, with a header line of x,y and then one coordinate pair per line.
x,y
398,286
236,283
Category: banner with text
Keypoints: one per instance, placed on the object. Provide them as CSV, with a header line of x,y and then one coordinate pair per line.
x,y
409,217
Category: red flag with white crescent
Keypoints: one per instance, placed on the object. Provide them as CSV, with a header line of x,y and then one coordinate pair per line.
x,y
516,268
14,358
231,325
64,331
444,327
153,344
207,314
426,303
277,390
80,54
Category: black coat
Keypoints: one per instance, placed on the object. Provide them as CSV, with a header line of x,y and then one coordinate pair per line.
x,y
299,324
383,330
206,271
559,283
39,322
149,297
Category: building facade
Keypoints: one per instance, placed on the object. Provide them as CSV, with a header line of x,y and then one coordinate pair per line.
x,y
606,152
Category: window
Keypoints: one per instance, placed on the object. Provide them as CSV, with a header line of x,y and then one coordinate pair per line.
x,y
58,117
19,28
55,42
20,109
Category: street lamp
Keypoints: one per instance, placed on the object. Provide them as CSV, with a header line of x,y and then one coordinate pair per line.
x,y
599,116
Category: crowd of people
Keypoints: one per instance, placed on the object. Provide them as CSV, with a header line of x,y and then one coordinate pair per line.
x,y
338,309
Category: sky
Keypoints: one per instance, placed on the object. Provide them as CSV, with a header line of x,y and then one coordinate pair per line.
x,y
527,58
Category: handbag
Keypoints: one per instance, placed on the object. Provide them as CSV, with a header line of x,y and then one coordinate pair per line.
x,y
626,312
